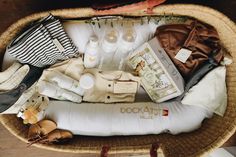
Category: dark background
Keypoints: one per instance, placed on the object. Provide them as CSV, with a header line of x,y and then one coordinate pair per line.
x,y
12,10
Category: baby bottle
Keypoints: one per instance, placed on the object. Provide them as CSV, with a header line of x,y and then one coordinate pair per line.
x,y
126,45
91,57
109,46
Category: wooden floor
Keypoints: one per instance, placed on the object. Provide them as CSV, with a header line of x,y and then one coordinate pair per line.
x,y
12,10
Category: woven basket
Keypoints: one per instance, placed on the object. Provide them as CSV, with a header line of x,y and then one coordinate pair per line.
x,y
213,133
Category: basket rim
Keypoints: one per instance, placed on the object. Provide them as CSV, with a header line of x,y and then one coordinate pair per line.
x,y
90,12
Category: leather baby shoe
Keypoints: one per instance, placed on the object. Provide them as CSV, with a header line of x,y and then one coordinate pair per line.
x,y
40,129
57,136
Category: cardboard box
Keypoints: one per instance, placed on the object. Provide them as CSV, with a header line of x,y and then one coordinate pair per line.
x,y
159,76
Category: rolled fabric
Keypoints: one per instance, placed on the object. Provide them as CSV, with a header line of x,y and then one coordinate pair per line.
x,y
53,91
97,119
66,82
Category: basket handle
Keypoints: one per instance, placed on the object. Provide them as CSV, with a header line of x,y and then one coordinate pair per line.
x,y
146,5
104,151
153,150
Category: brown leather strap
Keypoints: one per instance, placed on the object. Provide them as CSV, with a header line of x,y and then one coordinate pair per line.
x,y
153,150
104,152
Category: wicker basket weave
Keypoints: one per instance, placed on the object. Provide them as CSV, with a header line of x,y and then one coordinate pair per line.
x,y
213,133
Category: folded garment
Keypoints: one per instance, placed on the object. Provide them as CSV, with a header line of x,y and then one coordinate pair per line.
x,y
62,81
10,97
44,43
112,86
5,75
210,93
15,79
190,45
96,119
73,67
26,95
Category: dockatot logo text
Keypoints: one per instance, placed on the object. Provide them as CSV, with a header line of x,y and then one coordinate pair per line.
x,y
146,112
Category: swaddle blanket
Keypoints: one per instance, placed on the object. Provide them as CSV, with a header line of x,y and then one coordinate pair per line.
x,y
43,44
97,119
210,93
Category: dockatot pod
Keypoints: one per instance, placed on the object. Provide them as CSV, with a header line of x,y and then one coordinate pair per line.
x,y
213,133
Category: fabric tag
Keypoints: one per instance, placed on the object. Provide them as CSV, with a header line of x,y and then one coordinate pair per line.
x,y
58,45
165,112
183,55
125,87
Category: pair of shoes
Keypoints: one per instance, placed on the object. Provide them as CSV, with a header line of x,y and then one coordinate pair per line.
x,y
46,132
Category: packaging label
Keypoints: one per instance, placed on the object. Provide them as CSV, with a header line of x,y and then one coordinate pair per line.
x,y
125,87
58,45
145,112
183,55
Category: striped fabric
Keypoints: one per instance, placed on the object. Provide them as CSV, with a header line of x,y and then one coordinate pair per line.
x,y
43,44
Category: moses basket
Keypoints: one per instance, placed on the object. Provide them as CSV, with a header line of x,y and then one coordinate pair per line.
x,y
213,133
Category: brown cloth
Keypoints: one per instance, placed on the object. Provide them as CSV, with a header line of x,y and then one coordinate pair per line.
x,y
201,39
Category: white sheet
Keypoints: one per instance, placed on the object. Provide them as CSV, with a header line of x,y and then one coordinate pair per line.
x,y
80,32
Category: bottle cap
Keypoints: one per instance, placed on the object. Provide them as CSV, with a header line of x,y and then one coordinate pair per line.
x,y
87,81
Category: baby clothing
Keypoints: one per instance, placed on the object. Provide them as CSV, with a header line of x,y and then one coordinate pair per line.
x,y
53,91
44,43
10,97
26,95
190,45
72,67
7,73
61,80
112,86
15,79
